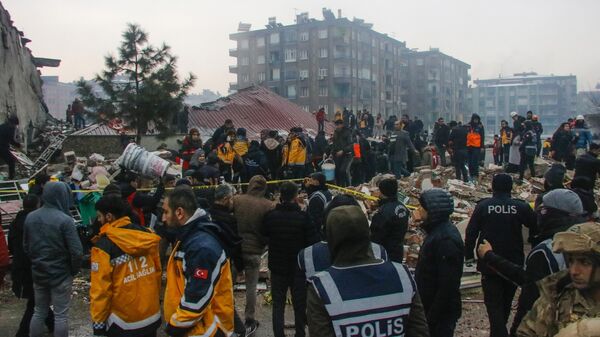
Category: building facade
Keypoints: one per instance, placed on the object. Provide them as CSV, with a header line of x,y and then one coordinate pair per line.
x,y
58,96
437,86
552,98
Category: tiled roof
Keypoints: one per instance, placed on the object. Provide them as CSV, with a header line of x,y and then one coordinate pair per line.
x,y
254,108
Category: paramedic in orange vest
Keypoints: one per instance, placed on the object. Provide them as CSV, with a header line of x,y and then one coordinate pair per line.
x,y
226,155
198,298
475,141
125,274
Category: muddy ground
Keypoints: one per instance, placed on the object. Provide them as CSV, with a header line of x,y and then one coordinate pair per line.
x,y
473,322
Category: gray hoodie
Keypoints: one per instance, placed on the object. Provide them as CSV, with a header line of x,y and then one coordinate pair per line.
x,y
50,238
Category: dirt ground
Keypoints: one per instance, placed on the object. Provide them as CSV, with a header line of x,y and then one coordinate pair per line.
x,y
472,323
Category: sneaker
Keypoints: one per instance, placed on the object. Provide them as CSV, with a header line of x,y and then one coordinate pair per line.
x,y
251,327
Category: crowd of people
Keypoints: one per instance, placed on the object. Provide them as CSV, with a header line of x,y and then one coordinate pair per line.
x,y
343,267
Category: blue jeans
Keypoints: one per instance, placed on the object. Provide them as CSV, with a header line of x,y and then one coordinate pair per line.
x,y
60,298
399,169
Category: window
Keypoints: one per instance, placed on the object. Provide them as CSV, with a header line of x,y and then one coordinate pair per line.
x,y
291,74
323,72
420,62
245,78
291,36
291,91
388,95
260,59
323,34
274,39
323,52
323,91
244,61
261,76
304,54
304,36
303,74
260,41
290,55
275,74
304,92
244,44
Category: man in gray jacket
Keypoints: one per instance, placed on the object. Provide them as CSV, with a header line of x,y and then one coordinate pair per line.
x,y
400,143
51,242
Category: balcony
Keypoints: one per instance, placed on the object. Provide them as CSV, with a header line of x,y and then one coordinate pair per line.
x,y
233,52
233,69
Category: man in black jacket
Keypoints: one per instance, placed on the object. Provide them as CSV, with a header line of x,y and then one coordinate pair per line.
x,y
8,137
390,222
318,197
440,264
588,164
288,230
441,134
457,140
499,220
341,149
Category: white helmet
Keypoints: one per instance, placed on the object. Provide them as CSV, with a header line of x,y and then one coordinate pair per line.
x,y
513,114
579,118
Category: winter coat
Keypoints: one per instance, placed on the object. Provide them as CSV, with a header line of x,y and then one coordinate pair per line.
x,y
441,135
588,165
562,144
458,138
22,282
506,135
316,207
499,220
439,269
7,136
584,138
188,147
50,238
272,150
389,226
288,230
587,200
342,141
142,204
255,162
224,218
294,153
249,210
400,145
321,146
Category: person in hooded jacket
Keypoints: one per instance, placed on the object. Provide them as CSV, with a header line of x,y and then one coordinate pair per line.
x,y
563,145
390,222
360,294
51,242
475,144
125,274
440,264
142,204
528,150
222,131
554,178
583,136
321,149
255,162
318,197
342,151
499,220
22,282
588,164
273,151
583,187
457,141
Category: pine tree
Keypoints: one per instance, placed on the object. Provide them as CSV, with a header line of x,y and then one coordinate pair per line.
x,y
141,85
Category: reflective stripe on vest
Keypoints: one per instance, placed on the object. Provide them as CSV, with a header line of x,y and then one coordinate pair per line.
x,y
556,262
368,300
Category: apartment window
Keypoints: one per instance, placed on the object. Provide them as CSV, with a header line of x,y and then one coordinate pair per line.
x,y
420,62
304,92
244,44
291,91
323,52
260,59
322,33
275,74
245,78
290,55
304,54
274,39
303,74
323,91
323,72
291,36
244,61
304,36
388,95
261,76
260,41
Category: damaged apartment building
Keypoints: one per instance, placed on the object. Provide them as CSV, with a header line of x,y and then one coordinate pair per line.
x,y
337,62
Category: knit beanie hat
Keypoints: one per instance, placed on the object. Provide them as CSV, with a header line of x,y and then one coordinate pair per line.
x,y
563,200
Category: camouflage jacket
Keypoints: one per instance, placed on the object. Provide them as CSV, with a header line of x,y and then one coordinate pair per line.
x,y
559,305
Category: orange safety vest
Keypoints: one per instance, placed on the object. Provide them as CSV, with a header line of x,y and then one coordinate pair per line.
x,y
473,138
357,150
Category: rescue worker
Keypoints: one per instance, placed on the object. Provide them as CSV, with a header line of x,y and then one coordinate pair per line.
x,y
226,155
318,197
475,143
316,258
190,144
198,298
569,303
440,264
294,155
241,144
499,220
125,274
360,295
390,222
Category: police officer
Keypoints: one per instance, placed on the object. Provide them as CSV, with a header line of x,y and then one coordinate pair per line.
x,y
390,222
569,303
499,220
359,295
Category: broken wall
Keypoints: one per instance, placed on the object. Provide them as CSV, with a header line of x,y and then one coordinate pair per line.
x,y
20,82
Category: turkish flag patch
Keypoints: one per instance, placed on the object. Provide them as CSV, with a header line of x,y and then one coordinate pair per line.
x,y
201,274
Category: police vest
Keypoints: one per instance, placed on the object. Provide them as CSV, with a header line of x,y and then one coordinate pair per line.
x,y
369,300
556,262
317,258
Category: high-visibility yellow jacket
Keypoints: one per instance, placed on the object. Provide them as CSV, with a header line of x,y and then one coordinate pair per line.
x,y
241,147
125,280
297,154
226,153
199,295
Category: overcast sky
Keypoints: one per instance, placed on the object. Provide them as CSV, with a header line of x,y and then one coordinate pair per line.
x,y
493,36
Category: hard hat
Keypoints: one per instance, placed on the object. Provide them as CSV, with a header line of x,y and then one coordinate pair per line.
x,y
580,118
513,114
535,117
582,238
